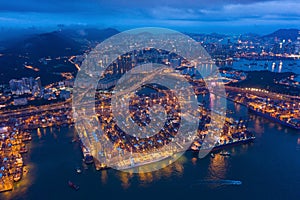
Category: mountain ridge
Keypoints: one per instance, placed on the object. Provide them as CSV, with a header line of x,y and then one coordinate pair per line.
x,y
285,34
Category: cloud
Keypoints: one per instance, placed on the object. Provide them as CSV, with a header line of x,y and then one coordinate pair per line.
x,y
92,5
152,12
50,6
262,10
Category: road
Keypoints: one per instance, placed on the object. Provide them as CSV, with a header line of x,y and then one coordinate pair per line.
x,y
34,110
262,93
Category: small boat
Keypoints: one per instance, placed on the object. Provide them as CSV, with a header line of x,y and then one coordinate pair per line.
x,y
212,155
72,185
74,140
225,153
78,170
216,182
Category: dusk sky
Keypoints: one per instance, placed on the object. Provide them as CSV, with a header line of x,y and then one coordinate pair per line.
x,y
193,15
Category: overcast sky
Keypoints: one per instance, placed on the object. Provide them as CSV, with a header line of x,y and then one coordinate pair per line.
x,y
192,15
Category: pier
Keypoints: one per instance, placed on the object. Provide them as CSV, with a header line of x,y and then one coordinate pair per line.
x,y
12,146
6,184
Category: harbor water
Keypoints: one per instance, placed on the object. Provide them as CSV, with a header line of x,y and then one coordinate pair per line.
x,y
278,66
268,168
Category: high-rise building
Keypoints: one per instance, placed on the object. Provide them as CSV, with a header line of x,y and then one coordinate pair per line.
x,y
39,83
16,86
25,85
13,85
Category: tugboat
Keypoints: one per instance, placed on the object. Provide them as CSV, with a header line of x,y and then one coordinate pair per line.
x,y
72,185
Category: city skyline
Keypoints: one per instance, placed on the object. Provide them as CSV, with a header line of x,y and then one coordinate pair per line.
x,y
160,99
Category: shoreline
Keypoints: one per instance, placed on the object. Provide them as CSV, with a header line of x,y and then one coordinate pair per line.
x,y
214,149
273,119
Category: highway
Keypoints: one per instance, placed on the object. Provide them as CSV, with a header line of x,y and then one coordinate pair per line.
x,y
31,110
262,93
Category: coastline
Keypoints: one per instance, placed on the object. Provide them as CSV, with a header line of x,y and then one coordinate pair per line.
x,y
273,119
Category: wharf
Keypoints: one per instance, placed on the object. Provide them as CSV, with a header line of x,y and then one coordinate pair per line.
x,y
6,184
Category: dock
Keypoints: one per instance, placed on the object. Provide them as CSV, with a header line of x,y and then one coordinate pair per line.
x,y
6,184
12,147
